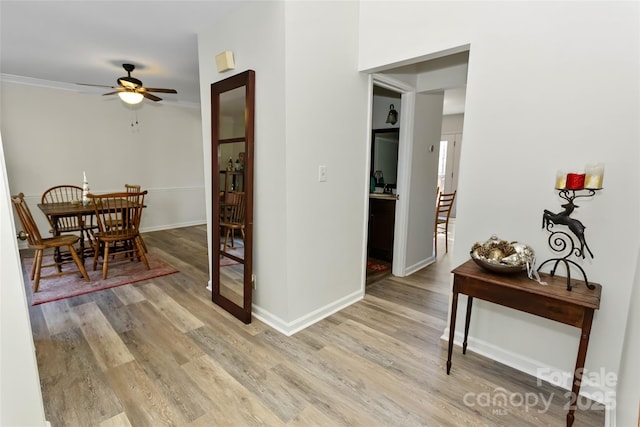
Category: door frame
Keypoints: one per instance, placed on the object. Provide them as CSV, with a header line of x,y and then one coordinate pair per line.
x,y
405,148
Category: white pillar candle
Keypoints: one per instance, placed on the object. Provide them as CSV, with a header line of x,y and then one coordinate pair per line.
x,y
561,179
594,175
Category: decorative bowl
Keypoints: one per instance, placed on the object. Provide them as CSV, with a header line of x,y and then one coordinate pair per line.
x,y
502,256
496,267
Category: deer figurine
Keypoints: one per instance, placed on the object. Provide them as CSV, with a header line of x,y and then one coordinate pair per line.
x,y
562,218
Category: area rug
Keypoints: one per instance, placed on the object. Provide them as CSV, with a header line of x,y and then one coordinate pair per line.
x,y
121,272
226,261
377,266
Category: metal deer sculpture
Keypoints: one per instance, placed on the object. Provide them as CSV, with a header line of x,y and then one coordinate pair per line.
x,y
562,218
562,242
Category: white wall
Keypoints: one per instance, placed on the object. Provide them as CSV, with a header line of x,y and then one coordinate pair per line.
x,y
311,107
424,175
380,111
263,21
20,396
628,392
53,135
327,108
452,123
551,85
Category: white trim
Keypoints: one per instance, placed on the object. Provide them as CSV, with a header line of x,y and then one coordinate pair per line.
x,y
367,189
290,328
418,59
410,269
172,226
36,198
551,374
33,200
405,148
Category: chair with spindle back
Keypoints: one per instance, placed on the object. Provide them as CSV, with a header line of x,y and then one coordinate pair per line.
x,y
82,225
234,217
134,188
443,214
119,216
70,224
40,244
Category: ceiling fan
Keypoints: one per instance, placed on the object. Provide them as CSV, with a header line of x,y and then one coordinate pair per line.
x,y
131,90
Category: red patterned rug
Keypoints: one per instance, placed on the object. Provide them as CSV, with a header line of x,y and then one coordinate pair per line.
x,y
237,251
121,273
377,266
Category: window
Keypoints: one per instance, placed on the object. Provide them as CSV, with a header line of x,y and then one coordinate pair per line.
x,y
442,164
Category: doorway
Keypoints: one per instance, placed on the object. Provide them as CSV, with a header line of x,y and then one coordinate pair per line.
x,y
425,112
383,176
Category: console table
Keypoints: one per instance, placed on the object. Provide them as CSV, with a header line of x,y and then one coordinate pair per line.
x,y
517,291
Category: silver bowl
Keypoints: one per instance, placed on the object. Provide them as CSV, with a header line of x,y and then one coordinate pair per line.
x,y
497,267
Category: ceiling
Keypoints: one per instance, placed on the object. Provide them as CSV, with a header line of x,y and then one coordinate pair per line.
x,y
72,42
67,42
454,98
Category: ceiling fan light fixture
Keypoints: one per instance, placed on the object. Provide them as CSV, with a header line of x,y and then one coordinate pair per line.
x,y
131,97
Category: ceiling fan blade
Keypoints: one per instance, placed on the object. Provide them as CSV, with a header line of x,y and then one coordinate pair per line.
x,y
150,96
89,84
155,89
111,93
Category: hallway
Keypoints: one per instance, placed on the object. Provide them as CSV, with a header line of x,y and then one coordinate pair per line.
x,y
160,353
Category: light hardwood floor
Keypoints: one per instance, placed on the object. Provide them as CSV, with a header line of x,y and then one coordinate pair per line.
x,y
159,353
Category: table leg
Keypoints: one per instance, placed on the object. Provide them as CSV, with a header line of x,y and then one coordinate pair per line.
x,y
577,374
466,324
57,257
82,231
452,329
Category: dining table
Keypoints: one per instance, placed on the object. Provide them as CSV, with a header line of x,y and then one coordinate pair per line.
x,y
84,213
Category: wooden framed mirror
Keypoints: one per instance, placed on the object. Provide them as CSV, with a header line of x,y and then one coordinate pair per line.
x,y
384,154
232,113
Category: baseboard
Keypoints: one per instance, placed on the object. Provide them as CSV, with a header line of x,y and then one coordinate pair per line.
x,y
418,266
290,328
551,374
172,226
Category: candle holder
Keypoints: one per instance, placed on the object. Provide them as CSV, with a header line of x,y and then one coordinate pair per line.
x,y
563,242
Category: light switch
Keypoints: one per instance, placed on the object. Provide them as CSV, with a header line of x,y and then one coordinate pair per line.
x,y
322,173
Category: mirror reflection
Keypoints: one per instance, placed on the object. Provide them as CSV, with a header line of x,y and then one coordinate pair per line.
x,y
232,103
232,210
384,158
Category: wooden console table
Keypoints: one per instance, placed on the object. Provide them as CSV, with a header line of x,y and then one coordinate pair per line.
x,y
517,291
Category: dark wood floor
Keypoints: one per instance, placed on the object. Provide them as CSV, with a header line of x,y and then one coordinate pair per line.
x,y
160,353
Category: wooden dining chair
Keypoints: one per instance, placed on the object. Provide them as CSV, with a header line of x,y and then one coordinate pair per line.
x,y
69,224
40,244
234,217
134,188
119,215
443,213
